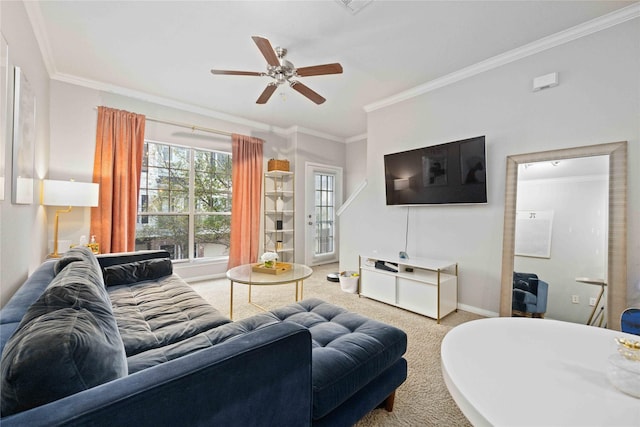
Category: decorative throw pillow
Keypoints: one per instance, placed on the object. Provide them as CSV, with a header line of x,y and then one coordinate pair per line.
x,y
67,341
77,254
133,272
55,355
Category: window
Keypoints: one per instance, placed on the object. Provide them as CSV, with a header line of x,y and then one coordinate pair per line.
x,y
324,210
184,205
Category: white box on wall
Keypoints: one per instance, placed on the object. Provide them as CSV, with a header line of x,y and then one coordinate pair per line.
x,y
545,82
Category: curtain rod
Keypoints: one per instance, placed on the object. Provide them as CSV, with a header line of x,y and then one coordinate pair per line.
x,y
183,125
192,127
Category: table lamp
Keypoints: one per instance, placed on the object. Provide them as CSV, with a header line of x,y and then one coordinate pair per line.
x,y
70,194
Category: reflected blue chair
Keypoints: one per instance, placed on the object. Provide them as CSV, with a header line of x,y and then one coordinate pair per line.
x,y
529,297
630,321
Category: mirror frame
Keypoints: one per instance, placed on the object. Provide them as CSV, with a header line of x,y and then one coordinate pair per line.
x,y
617,250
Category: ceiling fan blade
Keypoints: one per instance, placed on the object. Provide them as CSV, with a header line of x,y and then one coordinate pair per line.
x,y
266,93
267,51
315,97
318,70
236,73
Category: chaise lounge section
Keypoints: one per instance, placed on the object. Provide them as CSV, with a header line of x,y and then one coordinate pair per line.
x,y
120,340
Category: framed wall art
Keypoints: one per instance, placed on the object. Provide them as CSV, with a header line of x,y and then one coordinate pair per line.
x,y
4,88
24,139
533,233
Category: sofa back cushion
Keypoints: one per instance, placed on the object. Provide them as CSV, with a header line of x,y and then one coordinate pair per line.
x,y
137,271
67,341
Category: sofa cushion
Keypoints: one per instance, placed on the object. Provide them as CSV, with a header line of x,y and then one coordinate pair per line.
x,y
349,350
138,271
67,341
201,341
55,355
106,260
156,313
77,254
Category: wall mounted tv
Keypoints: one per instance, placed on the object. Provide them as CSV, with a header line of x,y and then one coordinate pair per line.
x,y
450,173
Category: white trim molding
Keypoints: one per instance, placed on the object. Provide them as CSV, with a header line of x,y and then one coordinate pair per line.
x,y
581,30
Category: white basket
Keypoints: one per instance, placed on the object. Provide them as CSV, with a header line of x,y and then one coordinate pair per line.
x,y
349,283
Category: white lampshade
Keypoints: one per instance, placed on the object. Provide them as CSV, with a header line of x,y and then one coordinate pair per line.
x,y
400,184
69,193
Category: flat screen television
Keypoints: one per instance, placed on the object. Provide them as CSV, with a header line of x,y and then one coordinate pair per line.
x,y
450,173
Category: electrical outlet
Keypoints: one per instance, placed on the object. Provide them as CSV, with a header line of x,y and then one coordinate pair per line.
x,y
575,299
592,301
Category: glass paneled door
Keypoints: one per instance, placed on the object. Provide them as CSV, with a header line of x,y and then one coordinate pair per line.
x,y
323,196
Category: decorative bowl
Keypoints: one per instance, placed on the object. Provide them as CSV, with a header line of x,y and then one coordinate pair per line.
x,y
624,367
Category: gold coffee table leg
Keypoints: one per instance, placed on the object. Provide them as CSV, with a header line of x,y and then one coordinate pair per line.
x,y
231,300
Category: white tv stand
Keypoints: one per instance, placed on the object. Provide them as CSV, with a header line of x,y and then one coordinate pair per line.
x,y
431,289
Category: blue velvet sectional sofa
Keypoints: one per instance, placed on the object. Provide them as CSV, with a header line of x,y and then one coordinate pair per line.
x,y
119,340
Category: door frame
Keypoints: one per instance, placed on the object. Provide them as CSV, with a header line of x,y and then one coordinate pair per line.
x,y
311,169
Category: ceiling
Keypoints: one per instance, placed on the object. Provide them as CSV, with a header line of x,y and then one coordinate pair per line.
x,y
164,50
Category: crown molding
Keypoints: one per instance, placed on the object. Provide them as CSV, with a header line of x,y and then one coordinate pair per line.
x,y
143,96
581,30
362,136
37,23
312,132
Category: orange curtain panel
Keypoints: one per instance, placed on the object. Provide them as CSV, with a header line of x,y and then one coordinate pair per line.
x,y
116,167
246,181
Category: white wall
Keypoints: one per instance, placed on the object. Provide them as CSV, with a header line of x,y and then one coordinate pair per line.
x,y
356,165
596,102
578,240
22,227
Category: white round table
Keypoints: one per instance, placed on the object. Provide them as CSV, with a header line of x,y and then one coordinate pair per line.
x,y
511,371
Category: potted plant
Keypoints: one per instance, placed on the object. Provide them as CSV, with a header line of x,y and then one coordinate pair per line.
x,y
269,259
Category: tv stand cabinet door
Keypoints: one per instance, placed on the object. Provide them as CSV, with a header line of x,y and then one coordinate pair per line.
x,y
419,297
378,286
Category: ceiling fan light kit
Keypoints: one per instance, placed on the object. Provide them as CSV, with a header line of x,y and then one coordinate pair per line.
x,y
282,71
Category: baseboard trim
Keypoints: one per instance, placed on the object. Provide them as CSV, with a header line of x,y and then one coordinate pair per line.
x,y
476,310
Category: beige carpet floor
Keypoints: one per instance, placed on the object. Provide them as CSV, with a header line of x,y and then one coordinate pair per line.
x,y
423,400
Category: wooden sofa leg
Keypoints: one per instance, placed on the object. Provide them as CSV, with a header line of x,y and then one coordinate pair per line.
x,y
388,402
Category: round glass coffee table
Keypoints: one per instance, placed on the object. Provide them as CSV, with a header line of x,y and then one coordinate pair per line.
x,y
245,275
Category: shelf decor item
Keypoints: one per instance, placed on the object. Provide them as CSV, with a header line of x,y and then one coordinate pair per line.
x,y
269,259
278,165
270,264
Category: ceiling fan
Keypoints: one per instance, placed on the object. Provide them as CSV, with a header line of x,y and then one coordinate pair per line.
x,y
283,71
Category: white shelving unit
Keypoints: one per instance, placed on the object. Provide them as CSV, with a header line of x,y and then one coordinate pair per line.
x,y
279,223
425,286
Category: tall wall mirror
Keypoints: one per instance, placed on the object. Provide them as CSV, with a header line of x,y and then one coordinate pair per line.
x,y
565,221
